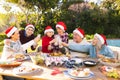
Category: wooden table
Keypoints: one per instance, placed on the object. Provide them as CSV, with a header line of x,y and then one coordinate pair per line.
x,y
46,74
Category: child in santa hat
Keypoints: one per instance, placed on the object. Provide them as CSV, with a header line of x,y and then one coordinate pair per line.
x,y
12,45
48,36
98,47
62,36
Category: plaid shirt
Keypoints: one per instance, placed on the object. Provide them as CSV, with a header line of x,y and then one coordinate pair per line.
x,y
64,38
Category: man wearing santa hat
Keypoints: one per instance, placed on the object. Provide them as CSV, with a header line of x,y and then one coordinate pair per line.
x,y
98,48
12,45
27,35
78,38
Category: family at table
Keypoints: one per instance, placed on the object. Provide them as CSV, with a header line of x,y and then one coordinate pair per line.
x,y
20,41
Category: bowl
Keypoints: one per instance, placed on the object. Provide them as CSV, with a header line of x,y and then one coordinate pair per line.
x,y
89,63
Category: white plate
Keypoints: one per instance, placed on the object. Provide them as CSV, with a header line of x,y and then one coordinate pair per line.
x,y
28,70
75,77
110,64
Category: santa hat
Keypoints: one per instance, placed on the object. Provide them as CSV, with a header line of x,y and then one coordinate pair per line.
x,y
10,31
102,38
29,26
48,29
80,32
61,25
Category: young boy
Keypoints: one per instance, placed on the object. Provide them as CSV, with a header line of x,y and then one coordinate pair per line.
x,y
48,36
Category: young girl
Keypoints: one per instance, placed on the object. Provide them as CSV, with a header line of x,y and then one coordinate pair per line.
x,y
62,36
49,32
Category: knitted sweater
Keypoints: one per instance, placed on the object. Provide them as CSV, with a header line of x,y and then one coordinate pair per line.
x,y
45,43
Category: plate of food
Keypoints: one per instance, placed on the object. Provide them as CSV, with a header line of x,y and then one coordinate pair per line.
x,y
80,74
27,70
9,63
110,71
20,57
110,61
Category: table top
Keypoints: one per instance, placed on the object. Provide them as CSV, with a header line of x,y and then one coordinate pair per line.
x,y
46,74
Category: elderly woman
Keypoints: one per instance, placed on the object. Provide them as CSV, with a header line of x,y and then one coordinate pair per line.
x,y
12,45
98,47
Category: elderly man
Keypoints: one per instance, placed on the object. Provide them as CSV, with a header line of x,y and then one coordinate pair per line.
x,y
78,38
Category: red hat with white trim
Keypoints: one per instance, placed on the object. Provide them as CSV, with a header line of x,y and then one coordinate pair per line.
x,y
61,25
48,29
102,38
29,26
10,31
80,32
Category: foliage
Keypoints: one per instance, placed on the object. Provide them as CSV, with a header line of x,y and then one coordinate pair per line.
x,y
2,36
89,37
103,18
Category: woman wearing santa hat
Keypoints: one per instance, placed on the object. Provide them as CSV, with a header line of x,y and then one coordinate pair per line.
x,y
61,36
12,45
48,36
98,47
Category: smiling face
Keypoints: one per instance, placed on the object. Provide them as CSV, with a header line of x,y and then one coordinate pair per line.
x,y
15,35
95,40
29,31
59,31
76,37
50,33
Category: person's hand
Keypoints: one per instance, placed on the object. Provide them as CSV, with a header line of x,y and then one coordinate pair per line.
x,y
53,41
64,44
7,41
100,56
49,47
37,38
35,45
